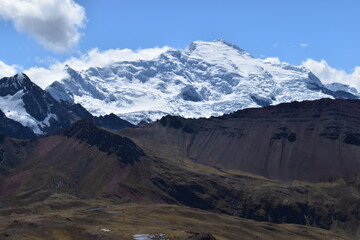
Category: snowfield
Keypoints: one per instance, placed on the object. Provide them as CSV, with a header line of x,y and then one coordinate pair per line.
x,y
13,107
205,79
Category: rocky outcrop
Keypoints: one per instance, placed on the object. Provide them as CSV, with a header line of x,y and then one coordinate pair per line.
x,y
86,131
200,236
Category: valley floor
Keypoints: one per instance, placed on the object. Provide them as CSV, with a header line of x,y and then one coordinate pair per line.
x,y
65,218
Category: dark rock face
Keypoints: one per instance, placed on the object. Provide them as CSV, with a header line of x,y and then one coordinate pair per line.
x,y
260,101
310,140
201,236
122,147
11,128
353,139
189,93
112,122
284,134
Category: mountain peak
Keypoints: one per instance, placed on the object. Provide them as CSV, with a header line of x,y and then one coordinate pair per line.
x,y
11,85
22,78
229,44
70,70
219,44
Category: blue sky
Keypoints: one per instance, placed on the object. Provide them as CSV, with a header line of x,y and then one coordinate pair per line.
x,y
291,30
262,27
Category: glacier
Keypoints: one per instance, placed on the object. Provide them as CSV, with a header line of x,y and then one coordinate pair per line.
x,y
13,107
204,79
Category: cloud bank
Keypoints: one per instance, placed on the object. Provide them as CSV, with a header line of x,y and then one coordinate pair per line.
x,y
94,58
56,24
328,74
7,70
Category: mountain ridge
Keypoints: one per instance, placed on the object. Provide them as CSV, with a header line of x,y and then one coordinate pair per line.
x,y
307,141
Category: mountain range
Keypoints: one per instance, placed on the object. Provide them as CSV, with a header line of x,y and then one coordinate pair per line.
x,y
27,111
225,145
205,79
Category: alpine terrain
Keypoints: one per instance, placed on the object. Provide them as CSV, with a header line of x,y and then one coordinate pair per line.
x,y
205,79
228,147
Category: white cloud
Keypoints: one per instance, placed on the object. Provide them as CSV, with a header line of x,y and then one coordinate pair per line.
x,y
272,60
55,24
44,77
327,74
304,45
94,58
97,58
7,70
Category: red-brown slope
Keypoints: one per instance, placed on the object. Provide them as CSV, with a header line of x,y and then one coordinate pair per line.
x,y
311,140
82,160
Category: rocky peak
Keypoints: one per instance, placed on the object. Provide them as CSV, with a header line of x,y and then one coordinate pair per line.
x,y
11,85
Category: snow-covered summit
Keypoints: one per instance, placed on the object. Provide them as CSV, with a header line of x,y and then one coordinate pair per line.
x,y
11,85
214,49
205,79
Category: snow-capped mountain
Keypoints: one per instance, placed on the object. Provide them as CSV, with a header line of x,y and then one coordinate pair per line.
x,y
26,110
205,79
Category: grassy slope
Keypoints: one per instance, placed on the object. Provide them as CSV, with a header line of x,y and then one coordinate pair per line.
x,y
61,218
